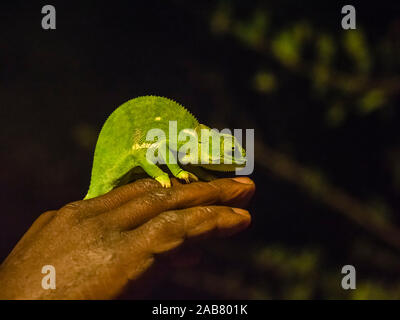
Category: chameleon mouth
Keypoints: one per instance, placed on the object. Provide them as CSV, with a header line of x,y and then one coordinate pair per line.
x,y
238,162
220,167
227,167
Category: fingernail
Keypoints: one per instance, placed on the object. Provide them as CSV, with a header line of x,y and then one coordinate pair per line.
x,y
241,211
244,180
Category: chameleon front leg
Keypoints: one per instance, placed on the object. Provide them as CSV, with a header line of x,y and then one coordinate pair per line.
x,y
176,170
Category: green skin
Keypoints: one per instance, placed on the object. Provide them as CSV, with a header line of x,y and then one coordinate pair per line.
x,y
121,147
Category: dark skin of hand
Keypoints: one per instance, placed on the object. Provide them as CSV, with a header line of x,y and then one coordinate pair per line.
x,y
101,245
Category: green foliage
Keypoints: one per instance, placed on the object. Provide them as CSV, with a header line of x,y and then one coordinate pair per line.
x,y
335,115
253,31
220,20
356,47
286,49
352,77
265,82
372,100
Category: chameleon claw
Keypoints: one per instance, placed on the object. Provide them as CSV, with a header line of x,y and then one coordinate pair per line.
x,y
193,177
164,181
187,176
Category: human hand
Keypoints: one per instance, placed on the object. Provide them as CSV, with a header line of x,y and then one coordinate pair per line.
x,y
98,246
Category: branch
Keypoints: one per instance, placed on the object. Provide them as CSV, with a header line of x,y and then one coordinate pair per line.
x,y
285,168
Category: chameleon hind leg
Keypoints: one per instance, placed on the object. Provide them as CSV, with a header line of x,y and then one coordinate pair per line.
x,y
148,166
155,172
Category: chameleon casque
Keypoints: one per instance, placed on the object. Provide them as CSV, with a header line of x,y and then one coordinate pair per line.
x,y
122,146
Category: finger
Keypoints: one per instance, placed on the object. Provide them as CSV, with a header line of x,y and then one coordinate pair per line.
x,y
143,208
168,230
242,199
117,197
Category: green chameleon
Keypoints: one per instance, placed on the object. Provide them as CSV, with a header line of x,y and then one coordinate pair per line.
x,y
122,146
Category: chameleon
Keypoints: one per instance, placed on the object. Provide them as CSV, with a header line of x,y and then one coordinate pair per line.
x,y
122,145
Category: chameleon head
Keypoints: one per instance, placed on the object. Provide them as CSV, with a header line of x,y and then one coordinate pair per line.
x,y
219,151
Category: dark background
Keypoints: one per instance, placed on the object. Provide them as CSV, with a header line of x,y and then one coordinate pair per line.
x,y
323,102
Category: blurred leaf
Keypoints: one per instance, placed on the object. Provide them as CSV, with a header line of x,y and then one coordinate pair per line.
x,y
286,49
302,31
372,100
264,82
325,49
335,115
321,77
374,290
287,45
383,214
356,47
290,263
221,18
299,291
253,31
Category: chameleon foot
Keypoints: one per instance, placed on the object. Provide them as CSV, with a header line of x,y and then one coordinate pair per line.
x,y
164,181
187,176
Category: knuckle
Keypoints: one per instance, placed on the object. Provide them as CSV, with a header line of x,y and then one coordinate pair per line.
x,y
206,211
198,185
70,210
170,223
171,217
192,191
148,183
48,213
97,223
109,202
160,195
72,206
143,184
214,185
213,191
